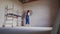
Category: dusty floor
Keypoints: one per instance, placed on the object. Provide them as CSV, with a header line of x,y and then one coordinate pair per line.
x,y
24,30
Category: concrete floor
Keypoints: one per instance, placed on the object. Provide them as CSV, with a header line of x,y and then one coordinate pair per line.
x,y
25,30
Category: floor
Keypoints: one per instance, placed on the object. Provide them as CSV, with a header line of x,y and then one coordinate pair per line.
x,y
25,30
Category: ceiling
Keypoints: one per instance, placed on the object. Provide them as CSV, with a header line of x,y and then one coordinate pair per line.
x,y
26,1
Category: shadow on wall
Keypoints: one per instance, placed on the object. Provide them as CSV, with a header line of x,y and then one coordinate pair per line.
x,y
54,10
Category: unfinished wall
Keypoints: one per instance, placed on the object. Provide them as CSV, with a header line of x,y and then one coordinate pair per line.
x,y
4,3
44,11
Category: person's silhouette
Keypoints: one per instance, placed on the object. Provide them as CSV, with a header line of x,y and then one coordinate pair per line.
x,y
27,17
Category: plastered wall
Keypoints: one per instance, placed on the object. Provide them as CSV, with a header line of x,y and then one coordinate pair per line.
x,y
44,12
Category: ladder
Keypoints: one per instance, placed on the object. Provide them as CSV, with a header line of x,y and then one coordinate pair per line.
x,y
6,17
9,16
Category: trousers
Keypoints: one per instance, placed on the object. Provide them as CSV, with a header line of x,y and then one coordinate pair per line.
x,y
27,19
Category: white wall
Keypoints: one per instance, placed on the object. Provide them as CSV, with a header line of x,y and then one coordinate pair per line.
x,y
41,13
4,3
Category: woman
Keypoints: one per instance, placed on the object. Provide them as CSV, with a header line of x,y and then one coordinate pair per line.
x,y
28,17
